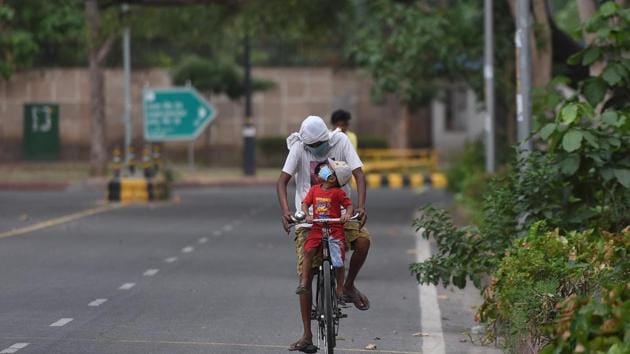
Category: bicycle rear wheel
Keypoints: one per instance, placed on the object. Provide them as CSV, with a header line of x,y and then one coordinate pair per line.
x,y
329,321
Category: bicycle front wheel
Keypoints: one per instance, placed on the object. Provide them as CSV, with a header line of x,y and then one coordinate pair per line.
x,y
329,321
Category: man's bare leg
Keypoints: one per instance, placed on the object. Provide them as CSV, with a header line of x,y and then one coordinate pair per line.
x,y
306,303
361,249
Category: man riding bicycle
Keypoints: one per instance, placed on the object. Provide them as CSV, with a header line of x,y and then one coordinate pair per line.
x,y
308,148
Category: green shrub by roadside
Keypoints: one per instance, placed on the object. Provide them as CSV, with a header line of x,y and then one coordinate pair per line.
x,y
467,177
577,182
372,142
542,269
271,151
594,324
465,165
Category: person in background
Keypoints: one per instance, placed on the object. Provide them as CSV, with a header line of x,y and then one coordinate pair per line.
x,y
340,119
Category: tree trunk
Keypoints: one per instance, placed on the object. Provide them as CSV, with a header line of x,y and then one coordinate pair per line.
x,y
541,45
540,42
98,132
586,9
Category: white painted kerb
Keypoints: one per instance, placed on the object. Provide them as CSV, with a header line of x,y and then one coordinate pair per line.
x,y
430,315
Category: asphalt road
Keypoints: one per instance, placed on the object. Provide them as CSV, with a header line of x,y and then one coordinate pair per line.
x,y
212,273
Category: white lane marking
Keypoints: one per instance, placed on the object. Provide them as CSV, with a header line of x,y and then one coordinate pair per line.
x,y
62,322
430,315
170,260
217,233
14,348
150,272
228,228
127,286
97,302
188,249
202,240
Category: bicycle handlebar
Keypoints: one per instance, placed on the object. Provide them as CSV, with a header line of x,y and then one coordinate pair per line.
x,y
300,217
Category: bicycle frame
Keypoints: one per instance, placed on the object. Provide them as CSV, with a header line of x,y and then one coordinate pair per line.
x,y
326,329
326,312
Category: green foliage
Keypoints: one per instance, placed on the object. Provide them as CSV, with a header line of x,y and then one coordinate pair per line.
x,y
461,252
217,77
393,37
283,32
590,131
542,269
40,33
372,142
594,324
271,150
577,180
466,173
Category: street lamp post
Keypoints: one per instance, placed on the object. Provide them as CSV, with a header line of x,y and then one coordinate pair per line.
x,y
488,71
523,76
127,84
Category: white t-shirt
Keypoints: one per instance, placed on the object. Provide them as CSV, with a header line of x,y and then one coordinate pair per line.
x,y
301,164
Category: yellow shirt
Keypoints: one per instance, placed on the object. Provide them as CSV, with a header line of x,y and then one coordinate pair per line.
x,y
353,139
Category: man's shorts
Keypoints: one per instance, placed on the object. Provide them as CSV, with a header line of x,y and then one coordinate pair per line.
x,y
352,231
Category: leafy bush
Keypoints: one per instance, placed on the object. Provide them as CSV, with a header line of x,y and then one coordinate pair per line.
x,y
577,182
580,180
594,323
372,142
467,164
217,76
462,253
543,268
271,151
467,177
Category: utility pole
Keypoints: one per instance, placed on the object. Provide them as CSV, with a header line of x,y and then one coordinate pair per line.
x,y
488,74
249,131
127,83
523,76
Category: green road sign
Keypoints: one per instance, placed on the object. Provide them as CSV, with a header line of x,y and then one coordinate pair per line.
x,y
41,131
175,114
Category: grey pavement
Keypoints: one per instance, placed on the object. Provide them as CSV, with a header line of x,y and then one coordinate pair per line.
x,y
224,283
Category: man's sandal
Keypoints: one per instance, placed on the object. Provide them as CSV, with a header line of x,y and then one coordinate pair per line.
x,y
359,300
303,346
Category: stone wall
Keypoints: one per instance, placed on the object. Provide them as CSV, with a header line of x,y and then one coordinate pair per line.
x,y
297,92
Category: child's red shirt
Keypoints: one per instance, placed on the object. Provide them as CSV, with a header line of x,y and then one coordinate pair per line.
x,y
326,205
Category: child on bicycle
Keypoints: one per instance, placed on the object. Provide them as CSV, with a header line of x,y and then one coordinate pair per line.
x,y
326,198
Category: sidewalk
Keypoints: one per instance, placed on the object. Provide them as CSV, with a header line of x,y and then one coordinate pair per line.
x,y
62,175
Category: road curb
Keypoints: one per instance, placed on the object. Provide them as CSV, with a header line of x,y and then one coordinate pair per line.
x,y
57,186
239,182
33,186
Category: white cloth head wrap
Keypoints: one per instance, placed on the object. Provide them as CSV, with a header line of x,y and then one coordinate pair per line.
x,y
312,130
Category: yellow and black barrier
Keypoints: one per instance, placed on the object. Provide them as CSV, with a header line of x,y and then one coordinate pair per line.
x,y
399,180
134,189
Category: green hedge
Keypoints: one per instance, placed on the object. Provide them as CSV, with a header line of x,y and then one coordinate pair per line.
x,y
372,142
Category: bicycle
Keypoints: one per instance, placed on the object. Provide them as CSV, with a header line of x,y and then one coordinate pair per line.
x,y
326,312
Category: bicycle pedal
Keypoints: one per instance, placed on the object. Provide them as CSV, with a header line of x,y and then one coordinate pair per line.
x,y
313,315
343,315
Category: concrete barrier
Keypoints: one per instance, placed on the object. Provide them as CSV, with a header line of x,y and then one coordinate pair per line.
x,y
400,180
137,190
